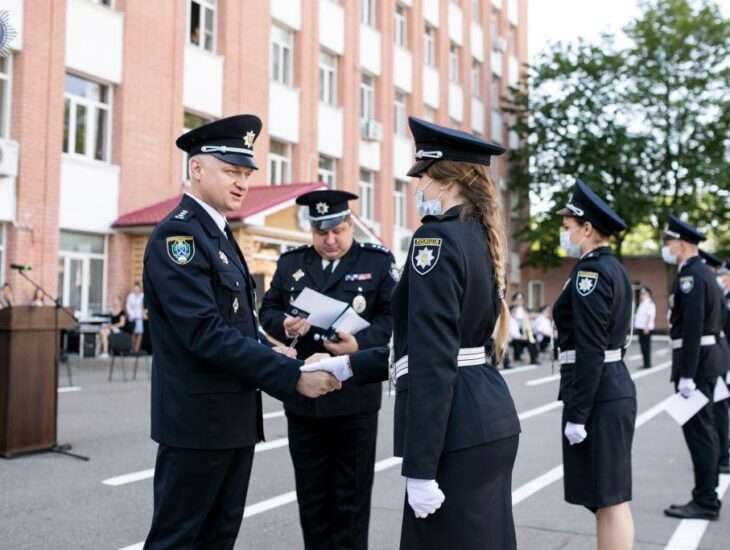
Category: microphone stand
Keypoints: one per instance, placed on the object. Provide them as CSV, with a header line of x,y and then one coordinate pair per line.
x,y
65,448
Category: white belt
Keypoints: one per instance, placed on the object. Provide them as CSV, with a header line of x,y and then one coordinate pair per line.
x,y
468,357
610,356
706,340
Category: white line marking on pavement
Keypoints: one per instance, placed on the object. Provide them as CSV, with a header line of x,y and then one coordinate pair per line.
x,y
646,372
515,370
275,414
663,351
148,474
689,532
533,486
539,410
543,380
635,376
633,357
68,389
138,546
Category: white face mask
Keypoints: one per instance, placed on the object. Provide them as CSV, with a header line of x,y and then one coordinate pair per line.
x,y
720,282
571,249
667,256
425,208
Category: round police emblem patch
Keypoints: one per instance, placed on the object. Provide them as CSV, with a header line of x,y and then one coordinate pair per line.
x,y
359,303
181,249
686,284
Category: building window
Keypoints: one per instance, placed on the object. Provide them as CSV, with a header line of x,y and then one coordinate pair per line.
x,y
81,271
367,97
475,11
399,204
399,125
190,122
494,93
494,23
367,194
282,41
2,253
454,63
326,171
400,26
476,78
429,46
429,114
327,78
535,295
203,24
279,162
86,118
5,72
367,12
453,123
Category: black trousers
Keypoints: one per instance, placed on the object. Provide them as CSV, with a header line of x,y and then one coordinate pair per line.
x,y
722,423
199,497
645,344
519,345
477,512
700,433
333,461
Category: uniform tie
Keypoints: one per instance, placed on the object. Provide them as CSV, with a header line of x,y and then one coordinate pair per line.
x,y
328,271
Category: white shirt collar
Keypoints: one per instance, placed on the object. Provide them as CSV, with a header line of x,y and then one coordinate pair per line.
x,y
219,220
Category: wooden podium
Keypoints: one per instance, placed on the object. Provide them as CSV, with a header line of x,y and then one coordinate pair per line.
x,y
28,378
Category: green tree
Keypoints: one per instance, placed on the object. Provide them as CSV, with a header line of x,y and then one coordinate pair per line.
x,y
646,125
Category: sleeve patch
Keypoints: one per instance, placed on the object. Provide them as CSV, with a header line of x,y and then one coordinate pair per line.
x,y
686,284
426,254
586,282
181,249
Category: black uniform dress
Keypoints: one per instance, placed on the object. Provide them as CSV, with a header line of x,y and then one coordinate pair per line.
x,y
699,311
592,316
455,424
722,416
332,438
209,360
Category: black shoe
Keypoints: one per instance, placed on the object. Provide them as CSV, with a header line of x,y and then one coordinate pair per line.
x,y
692,510
724,469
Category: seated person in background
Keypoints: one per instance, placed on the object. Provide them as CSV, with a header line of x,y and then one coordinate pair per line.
x,y
38,298
519,338
542,327
117,323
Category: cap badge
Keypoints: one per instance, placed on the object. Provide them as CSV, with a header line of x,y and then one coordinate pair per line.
x,y
322,208
248,138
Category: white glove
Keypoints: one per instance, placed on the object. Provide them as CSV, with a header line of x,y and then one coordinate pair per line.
x,y
575,433
338,366
424,496
686,386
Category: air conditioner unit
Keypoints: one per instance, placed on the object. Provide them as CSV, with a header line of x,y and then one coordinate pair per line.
x,y
499,44
371,130
8,158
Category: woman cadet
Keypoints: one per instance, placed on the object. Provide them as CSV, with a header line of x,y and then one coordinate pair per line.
x,y
456,426
593,317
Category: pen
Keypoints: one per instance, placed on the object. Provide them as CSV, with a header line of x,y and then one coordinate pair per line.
x,y
293,343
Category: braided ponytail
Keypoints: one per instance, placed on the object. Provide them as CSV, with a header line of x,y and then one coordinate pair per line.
x,y
482,203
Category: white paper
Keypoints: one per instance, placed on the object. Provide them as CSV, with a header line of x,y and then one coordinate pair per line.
x,y
322,309
682,409
350,322
727,377
721,392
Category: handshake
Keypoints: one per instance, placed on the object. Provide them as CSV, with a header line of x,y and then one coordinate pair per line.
x,y
322,374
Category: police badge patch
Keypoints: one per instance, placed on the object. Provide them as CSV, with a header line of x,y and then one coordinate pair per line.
x,y
686,284
586,282
426,253
181,249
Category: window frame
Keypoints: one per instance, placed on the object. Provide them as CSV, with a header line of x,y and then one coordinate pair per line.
x,y
91,106
3,258
476,77
368,13
366,188
400,208
85,258
399,114
454,54
6,99
328,175
203,5
400,31
367,98
279,164
284,55
327,79
429,46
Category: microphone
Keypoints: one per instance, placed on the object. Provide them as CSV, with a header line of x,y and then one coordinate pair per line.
x,y
21,267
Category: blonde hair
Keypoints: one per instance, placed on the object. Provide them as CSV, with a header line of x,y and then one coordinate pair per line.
x,y
482,203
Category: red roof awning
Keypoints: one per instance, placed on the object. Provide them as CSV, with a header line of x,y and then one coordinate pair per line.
x,y
258,199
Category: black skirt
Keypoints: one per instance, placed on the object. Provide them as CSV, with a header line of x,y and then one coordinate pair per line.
x,y
477,512
598,471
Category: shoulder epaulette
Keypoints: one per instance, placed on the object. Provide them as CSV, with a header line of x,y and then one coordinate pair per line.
x,y
375,246
302,248
182,214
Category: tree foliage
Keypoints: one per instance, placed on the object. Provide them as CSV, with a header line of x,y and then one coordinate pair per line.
x,y
646,125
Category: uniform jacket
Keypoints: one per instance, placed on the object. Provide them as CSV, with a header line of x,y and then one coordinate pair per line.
x,y
726,325
445,300
366,271
699,310
593,315
209,357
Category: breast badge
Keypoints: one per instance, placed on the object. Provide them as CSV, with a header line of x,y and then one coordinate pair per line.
x,y
359,303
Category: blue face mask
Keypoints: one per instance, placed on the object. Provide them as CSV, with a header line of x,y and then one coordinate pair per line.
x,y
426,208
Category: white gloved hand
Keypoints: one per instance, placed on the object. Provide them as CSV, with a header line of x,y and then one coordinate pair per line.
x,y
575,433
686,386
338,366
424,496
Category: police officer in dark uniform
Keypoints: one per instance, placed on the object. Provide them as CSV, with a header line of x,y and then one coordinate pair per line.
x,y
210,357
332,439
697,360
723,279
456,426
593,319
